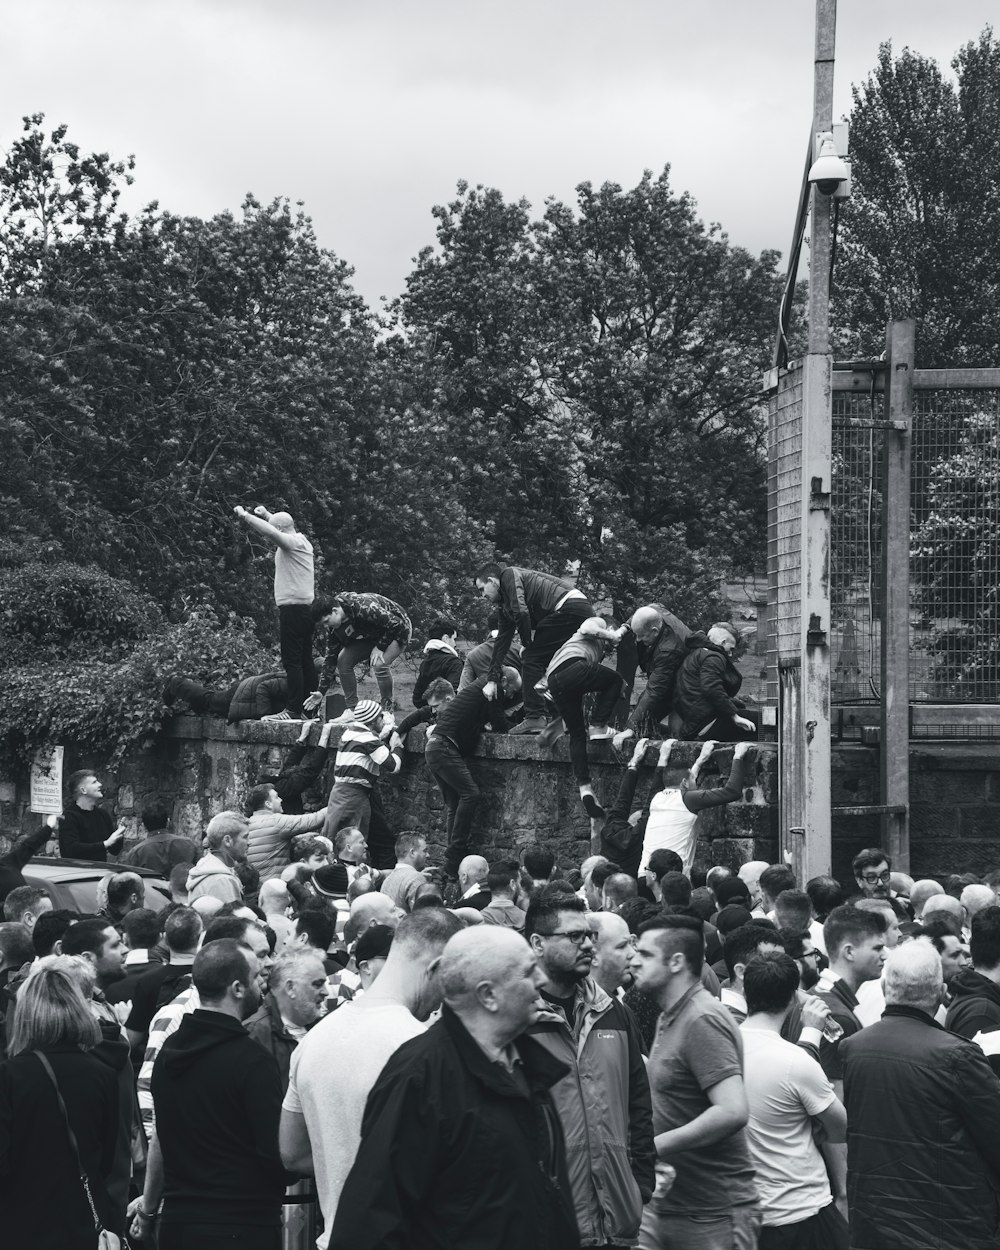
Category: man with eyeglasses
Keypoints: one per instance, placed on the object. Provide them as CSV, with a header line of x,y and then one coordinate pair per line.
x,y
873,874
604,1103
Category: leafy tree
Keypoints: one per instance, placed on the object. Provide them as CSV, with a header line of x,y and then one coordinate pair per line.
x,y
917,236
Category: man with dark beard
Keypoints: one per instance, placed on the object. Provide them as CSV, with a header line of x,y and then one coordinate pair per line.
x,y
214,1157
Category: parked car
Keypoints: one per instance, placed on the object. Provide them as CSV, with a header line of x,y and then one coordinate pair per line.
x,y
72,883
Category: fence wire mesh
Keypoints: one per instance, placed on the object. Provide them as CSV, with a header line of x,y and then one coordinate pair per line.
x,y
954,547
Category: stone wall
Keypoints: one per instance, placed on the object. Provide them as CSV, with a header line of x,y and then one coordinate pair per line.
x,y
200,766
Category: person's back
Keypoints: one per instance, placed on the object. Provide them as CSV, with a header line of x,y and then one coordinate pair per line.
x,y
217,1097
923,1114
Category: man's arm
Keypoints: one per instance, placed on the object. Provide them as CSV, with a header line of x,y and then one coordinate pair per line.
x,y
26,846
698,800
294,1143
260,523
727,1113
142,1211
621,809
642,1151
298,774
289,827
420,717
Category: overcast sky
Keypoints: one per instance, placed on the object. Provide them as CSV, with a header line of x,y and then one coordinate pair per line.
x,y
371,112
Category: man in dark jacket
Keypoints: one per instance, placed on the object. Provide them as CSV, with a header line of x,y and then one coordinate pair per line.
x,y
706,688
22,849
604,1103
160,850
546,611
85,830
298,992
259,697
459,722
923,1122
975,1003
655,642
214,1155
441,659
360,628
461,1144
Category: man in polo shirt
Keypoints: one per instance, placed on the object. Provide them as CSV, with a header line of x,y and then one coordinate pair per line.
x,y
411,858
699,1102
855,944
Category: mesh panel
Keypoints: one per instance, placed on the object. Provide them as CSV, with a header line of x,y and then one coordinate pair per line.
x,y
784,525
855,547
954,560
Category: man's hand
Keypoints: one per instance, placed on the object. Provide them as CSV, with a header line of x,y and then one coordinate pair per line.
x,y
313,702
741,749
665,749
815,1013
638,753
395,741
240,511
742,723
490,690
116,839
377,657
622,736
53,819
261,511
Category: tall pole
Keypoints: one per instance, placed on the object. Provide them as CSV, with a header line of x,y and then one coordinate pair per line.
x,y
816,482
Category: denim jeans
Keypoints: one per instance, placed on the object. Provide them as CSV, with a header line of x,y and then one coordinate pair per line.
x,y
735,1229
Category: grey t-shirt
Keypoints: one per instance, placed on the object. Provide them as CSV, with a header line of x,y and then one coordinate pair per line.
x,y
698,1045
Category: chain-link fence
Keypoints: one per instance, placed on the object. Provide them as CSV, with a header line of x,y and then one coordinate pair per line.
x,y
954,547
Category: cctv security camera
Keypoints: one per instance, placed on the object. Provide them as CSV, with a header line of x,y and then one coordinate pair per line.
x,y
828,170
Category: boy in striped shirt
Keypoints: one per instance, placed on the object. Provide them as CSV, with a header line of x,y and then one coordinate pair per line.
x,y
362,758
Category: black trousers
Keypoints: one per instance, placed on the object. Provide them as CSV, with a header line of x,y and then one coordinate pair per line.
x,y
568,685
447,766
826,1230
217,1237
381,839
295,633
550,634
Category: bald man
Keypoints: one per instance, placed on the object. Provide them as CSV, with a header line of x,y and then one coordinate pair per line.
x,y
924,889
612,952
945,905
472,887
461,1143
749,874
294,588
655,643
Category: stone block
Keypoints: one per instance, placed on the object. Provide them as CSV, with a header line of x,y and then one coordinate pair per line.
x,y
981,822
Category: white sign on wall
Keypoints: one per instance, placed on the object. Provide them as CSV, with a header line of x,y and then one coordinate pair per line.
x,y
47,781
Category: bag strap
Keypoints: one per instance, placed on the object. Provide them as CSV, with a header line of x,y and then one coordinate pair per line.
x,y
43,1060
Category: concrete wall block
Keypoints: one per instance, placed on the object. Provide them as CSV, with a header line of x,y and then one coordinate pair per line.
x,y
981,822
933,821
947,787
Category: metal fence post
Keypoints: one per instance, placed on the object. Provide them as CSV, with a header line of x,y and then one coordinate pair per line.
x,y
894,738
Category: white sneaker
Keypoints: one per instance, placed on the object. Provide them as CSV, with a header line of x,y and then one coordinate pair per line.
x,y
277,716
600,733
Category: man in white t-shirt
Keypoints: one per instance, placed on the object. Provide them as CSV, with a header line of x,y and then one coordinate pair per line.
x,y
294,590
673,810
339,1060
786,1091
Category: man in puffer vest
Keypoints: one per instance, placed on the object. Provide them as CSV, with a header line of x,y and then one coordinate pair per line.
x,y
604,1103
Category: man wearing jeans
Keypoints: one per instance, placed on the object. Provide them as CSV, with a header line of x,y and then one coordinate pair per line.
x,y
294,586
699,1102
450,741
546,611
574,671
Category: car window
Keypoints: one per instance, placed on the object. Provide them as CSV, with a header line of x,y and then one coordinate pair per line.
x,y
81,896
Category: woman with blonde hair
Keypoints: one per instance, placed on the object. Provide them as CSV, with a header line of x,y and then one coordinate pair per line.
x,y
58,1116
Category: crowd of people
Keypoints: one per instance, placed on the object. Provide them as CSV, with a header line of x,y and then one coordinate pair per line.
x,y
325,1036
541,1055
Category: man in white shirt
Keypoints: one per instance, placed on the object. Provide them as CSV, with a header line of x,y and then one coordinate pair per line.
x,y
336,1064
786,1091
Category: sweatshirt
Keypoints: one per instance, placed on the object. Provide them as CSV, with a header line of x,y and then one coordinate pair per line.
x,y
463,719
82,833
213,876
217,1096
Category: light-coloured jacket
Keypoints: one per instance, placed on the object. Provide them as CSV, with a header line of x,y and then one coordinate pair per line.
x,y
269,836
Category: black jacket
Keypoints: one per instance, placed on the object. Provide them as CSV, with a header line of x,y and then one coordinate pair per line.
x,y
457,1155
82,834
974,1007
217,1097
436,663
467,715
923,1137
706,686
257,696
267,1029
659,660
302,768
41,1196
526,598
